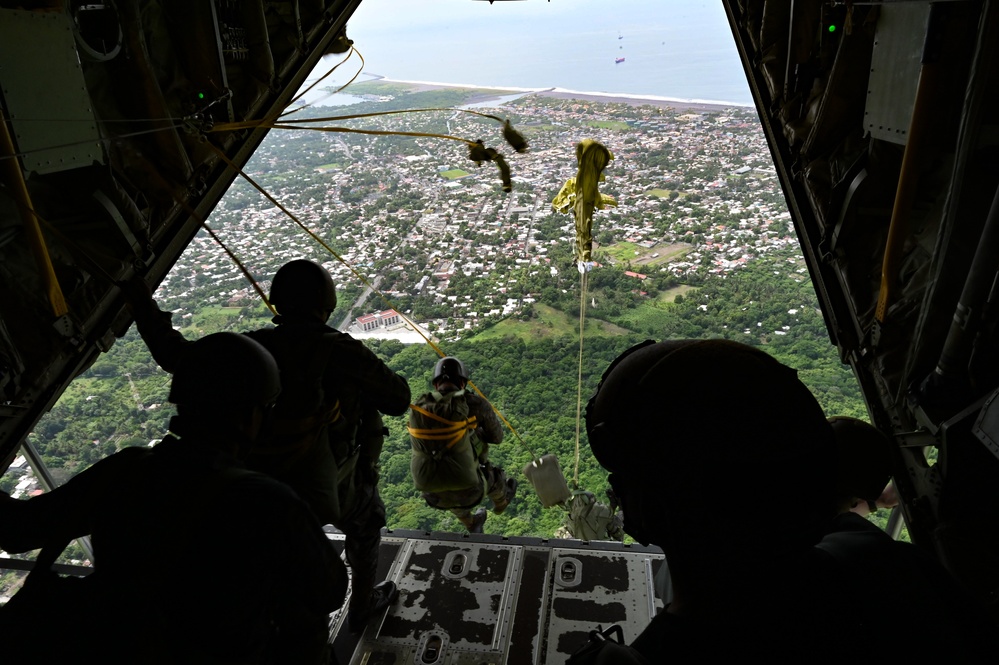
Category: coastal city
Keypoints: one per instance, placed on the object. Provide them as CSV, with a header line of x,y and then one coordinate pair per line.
x,y
439,239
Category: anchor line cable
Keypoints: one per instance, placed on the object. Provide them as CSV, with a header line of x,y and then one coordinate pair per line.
x,y
267,122
579,375
235,259
360,69
349,130
102,140
180,123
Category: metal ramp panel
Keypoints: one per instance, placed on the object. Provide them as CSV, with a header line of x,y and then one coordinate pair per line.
x,y
480,599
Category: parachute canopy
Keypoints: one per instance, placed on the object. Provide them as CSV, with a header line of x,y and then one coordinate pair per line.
x,y
580,194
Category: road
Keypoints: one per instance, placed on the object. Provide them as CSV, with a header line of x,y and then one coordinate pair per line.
x,y
357,304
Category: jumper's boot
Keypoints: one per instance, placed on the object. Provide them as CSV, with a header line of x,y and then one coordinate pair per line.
x,y
359,613
504,501
474,521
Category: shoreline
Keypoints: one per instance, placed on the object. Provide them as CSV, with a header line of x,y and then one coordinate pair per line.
x,y
565,93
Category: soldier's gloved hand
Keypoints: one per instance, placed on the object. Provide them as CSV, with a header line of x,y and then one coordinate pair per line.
x,y
137,293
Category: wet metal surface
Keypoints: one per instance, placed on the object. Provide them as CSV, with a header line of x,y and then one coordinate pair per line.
x,y
531,608
487,599
597,589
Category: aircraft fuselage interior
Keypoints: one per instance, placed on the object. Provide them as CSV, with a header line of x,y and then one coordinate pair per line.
x,y
881,118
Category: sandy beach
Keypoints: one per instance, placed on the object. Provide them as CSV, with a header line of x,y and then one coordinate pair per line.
x,y
489,94
634,100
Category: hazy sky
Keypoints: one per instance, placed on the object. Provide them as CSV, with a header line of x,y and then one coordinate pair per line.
x,y
675,47
411,15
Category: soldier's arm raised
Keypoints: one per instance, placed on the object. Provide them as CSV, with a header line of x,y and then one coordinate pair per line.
x,y
384,389
153,324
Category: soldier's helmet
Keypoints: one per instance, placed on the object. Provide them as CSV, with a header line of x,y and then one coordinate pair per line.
x,y
303,286
452,369
225,371
686,417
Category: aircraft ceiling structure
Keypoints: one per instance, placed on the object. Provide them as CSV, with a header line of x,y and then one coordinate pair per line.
x,y
107,166
882,118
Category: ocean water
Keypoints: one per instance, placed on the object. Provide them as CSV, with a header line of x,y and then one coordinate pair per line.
x,y
678,49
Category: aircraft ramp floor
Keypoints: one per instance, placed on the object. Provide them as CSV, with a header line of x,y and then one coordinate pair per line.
x,y
477,599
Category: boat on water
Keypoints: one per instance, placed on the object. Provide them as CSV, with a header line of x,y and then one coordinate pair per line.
x,y
618,61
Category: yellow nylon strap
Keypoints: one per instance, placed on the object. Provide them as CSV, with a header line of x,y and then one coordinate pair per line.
x,y
436,434
218,241
434,416
452,439
452,434
33,233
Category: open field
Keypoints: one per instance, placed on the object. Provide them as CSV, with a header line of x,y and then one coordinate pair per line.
x,y
670,295
548,322
620,252
649,317
666,253
644,256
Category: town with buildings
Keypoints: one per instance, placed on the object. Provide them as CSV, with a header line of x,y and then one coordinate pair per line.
x,y
412,226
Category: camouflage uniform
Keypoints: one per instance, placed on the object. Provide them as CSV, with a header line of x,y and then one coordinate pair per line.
x,y
492,480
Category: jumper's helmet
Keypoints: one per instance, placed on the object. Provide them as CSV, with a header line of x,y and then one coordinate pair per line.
x,y
452,369
303,286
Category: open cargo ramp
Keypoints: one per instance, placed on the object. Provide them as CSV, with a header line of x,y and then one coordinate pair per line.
x,y
475,599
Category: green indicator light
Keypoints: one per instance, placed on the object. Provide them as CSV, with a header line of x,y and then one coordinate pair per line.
x,y
201,95
832,28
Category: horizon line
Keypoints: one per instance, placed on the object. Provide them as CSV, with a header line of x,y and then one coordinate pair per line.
x,y
624,95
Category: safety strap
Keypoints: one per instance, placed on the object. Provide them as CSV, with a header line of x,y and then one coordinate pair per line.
x,y
452,434
32,230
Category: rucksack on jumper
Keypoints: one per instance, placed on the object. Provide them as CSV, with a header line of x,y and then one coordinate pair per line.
x,y
445,455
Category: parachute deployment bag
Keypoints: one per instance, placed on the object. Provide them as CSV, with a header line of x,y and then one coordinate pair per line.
x,y
546,476
444,457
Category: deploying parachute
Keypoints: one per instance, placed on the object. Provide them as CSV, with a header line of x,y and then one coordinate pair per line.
x,y
581,195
